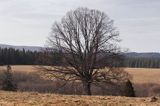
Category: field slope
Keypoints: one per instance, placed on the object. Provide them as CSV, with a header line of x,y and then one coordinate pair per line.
x,y
142,78
37,99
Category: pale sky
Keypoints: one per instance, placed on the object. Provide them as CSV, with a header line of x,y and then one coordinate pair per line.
x,y
28,22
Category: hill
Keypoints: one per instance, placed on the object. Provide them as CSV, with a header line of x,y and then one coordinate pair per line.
x,y
143,55
30,48
129,54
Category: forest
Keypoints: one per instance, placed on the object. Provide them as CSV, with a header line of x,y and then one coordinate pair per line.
x,y
13,56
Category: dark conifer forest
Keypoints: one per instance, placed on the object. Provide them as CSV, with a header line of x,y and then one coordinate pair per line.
x,y
13,56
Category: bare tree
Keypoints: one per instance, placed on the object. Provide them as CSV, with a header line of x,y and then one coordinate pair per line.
x,y
87,41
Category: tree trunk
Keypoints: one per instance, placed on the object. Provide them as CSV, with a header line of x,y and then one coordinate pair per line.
x,y
87,88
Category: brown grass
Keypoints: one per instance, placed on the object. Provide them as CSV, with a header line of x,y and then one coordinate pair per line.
x,y
140,75
37,99
144,75
22,68
146,83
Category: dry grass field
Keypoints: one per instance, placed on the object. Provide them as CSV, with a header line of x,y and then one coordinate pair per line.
x,y
140,75
144,75
22,68
37,99
146,83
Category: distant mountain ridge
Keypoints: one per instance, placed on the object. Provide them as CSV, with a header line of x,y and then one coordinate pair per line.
x,y
30,48
143,55
129,54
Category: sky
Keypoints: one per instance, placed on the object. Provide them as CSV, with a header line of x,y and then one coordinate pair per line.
x,y
29,22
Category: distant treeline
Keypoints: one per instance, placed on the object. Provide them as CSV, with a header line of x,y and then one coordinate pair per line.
x,y
22,57
142,62
13,56
17,57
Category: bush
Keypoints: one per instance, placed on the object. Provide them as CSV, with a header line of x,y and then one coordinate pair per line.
x,y
7,80
129,90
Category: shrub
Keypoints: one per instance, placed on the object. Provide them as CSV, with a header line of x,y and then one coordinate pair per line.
x,y
7,80
129,90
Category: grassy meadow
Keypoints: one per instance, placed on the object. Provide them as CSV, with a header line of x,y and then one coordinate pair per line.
x,y
47,99
146,83
140,75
